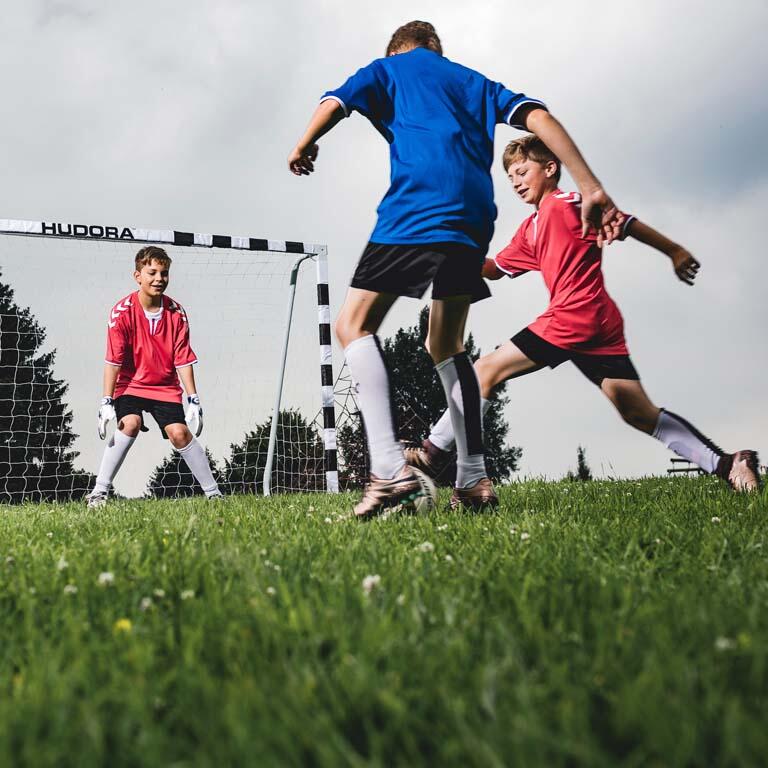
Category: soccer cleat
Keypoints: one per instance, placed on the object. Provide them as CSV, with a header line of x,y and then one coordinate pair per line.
x,y
217,496
480,497
740,470
427,457
409,491
96,499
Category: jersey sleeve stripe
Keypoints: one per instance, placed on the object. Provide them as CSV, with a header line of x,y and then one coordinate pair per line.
x,y
186,365
510,272
339,101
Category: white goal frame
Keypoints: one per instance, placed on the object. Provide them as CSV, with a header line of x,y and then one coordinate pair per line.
x,y
302,251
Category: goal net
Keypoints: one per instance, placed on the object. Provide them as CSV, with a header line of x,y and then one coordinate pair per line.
x,y
260,326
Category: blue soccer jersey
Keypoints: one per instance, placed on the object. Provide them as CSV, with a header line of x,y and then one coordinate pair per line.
x,y
439,119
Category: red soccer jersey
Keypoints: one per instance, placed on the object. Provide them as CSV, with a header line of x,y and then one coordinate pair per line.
x,y
148,351
581,316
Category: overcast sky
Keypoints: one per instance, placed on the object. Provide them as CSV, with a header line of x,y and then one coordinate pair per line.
x,y
181,114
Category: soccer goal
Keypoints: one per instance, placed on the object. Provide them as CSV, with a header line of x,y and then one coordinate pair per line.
x,y
260,325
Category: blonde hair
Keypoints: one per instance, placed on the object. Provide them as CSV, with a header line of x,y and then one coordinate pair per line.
x,y
530,147
152,253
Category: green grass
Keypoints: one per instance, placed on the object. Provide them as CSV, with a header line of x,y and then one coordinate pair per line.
x,y
596,624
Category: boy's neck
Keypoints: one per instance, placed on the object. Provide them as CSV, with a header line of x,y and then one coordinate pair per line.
x,y
545,195
150,302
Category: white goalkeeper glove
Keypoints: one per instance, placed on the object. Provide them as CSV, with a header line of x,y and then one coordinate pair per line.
x,y
106,414
194,415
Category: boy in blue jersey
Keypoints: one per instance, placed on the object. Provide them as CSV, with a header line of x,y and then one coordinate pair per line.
x,y
434,226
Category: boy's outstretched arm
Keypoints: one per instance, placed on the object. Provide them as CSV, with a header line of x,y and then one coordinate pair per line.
x,y
301,159
598,211
685,265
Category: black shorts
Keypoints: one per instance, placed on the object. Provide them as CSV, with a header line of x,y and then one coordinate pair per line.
x,y
454,269
162,412
594,367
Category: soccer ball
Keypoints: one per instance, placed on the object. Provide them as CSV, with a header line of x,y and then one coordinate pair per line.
x,y
427,500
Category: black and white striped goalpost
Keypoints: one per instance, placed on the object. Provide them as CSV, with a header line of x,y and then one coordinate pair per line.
x,y
303,251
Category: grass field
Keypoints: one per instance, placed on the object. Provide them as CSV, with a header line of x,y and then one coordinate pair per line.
x,y
603,623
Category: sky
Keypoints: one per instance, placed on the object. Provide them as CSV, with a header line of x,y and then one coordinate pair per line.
x,y
181,115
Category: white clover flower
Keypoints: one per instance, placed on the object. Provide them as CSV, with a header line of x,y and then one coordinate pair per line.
x,y
145,604
426,546
70,589
166,532
442,527
513,531
525,536
310,508
32,591
49,534
10,560
106,578
328,520
263,552
371,582
715,519
159,593
448,559
400,599
271,591
187,594
62,565
724,644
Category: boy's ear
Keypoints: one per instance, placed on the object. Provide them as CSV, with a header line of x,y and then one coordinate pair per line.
x,y
550,169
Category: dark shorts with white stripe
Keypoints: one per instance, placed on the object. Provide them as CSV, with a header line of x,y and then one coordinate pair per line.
x,y
594,367
454,269
162,412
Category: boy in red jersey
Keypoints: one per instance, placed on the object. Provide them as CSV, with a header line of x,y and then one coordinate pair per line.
x,y
148,351
582,322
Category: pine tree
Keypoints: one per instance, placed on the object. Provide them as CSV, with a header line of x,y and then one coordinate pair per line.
x,y
299,463
36,455
172,478
419,401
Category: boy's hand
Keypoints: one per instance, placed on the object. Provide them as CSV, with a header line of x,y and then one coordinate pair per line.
x,y
301,160
685,265
194,415
599,212
106,414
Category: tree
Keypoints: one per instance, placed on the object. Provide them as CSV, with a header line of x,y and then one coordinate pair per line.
x,y
583,472
419,400
36,456
172,478
299,460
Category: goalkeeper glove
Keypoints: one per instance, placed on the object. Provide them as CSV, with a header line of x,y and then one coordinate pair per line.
x,y
194,415
106,414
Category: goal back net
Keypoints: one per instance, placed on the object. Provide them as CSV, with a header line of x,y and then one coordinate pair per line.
x,y
265,374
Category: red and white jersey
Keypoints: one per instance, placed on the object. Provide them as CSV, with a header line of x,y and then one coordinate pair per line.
x,y
581,316
148,351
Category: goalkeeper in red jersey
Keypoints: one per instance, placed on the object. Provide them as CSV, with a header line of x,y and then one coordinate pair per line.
x,y
148,351
582,322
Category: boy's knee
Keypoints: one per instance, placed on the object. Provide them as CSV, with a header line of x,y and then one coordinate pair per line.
x,y
130,425
179,435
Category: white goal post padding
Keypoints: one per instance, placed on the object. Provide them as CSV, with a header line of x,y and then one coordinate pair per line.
x,y
235,292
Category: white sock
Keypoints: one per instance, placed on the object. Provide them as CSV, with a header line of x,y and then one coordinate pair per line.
x,y
462,391
114,454
686,441
441,435
366,364
194,455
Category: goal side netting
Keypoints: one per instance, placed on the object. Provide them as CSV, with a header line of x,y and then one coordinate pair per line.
x,y
259,320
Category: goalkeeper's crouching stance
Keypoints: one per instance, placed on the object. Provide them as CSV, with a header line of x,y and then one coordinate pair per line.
x,y
148,351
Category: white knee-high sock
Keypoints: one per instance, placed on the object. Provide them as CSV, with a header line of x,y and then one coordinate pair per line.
x,y
685,440
194,455
441,435
465,415
114,454
366,364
